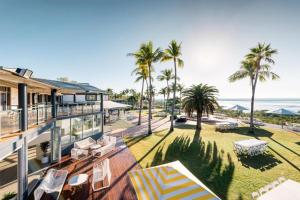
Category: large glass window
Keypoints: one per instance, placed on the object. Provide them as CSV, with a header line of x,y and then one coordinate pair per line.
x,y
65,131
87,126
97,123
76,128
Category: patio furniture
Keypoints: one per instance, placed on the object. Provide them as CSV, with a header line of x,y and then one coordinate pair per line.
x,y
107,143
254,195
78,153
84,144
223,126
78,180
52,184
100,172
95,146
251,147
281,179
289,189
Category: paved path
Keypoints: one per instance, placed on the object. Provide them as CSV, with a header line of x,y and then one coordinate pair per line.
x,y
157,125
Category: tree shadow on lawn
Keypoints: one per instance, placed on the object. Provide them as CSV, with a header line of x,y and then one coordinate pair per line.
x,y
262,162
204,160
246,131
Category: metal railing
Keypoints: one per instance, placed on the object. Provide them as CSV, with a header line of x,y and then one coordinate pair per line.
x,y
77,109
9,121
39,114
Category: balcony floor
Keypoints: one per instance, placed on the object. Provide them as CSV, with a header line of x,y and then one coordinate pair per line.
x,y
121,162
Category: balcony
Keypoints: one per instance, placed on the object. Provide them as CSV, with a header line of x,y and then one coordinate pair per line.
x,y
9,121
77,109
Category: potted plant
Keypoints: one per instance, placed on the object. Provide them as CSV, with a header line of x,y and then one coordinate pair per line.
x,y
44,148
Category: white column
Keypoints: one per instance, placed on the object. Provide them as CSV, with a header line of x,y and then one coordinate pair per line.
x,y
22,170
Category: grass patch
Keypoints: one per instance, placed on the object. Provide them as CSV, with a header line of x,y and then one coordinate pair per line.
x,y
209,156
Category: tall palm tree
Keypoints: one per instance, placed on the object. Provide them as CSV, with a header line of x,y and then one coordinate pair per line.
x,y
173,52
166,75
200,98
142,74
164,91
257,67
147,55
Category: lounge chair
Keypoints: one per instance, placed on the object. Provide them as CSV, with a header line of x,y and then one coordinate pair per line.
x,y
100,172
84,144
78,153
254,195
108,144
52,184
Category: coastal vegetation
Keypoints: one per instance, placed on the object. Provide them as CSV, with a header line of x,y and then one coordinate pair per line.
x,y
147,55
200,99
257,67
173,53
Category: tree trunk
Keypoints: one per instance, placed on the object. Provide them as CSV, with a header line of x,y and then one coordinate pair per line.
x,y
199,118
141,103
150,102
253,98
168,94
180,102
174,97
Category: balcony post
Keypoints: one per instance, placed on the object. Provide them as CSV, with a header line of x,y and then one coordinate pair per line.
x,y
102,113
53,103
22,98
22,168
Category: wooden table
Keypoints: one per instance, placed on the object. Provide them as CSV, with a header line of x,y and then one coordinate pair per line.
x,y
287,190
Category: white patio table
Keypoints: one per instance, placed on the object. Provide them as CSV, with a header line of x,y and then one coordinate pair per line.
x,y
251,146
78,180
287,190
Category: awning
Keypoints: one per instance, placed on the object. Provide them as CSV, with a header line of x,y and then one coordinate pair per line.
x,y
108,105
169,181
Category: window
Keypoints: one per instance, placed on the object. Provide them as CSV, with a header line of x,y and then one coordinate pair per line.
x,y
65,131
76,128
87,126
91,97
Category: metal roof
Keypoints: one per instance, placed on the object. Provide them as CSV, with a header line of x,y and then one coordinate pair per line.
x,y
75,87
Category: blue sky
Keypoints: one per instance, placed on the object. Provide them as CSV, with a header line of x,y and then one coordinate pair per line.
x,y
88,41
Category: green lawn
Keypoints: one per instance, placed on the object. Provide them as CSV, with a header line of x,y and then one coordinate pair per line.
x,y
209,156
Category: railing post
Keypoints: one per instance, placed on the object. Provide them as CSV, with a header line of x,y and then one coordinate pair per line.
x,y
102,113
53,103
37,115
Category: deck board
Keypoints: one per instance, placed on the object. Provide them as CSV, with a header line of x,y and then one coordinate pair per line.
x,y
121,162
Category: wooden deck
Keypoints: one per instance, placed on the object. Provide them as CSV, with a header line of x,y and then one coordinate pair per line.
x,y
121,162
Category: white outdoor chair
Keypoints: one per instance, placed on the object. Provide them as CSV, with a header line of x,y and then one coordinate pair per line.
x,y
263,190
52,183
281,179
78,153
84,144
100,172
275,183
254,195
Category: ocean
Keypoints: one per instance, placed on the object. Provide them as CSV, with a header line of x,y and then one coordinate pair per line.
x,y
263,104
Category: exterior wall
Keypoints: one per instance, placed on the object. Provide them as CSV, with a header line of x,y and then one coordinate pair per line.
x,y
14,97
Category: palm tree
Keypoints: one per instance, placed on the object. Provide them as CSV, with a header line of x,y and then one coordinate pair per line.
x,y
164,91
173,52
110,93
166,75
180,88
147,55
200,98
142,74
257,67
